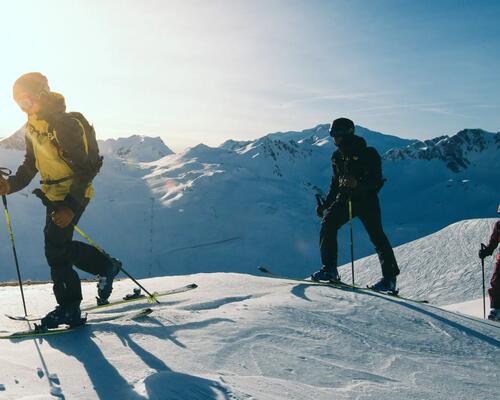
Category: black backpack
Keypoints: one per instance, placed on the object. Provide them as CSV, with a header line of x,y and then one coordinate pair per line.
x,y
95,160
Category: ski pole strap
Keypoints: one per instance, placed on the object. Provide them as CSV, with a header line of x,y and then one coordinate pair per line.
x,y
5,171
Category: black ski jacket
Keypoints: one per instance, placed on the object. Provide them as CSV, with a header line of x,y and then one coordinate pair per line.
x,y
360,162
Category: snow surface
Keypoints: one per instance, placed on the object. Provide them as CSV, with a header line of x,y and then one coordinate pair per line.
x,y
245,337
471,307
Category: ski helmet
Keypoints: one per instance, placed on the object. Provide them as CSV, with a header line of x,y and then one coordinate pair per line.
x,y
342,127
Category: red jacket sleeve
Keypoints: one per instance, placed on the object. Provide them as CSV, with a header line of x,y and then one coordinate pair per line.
x,y
495,236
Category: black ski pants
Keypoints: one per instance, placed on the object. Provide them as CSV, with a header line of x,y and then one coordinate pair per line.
x,y
63,252
368,211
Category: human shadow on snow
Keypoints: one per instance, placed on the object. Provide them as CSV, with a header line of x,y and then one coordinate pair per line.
x,y
107,380
300,292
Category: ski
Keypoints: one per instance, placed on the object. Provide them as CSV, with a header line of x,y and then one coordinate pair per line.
x,y
35,333
90,309
339,285
360,289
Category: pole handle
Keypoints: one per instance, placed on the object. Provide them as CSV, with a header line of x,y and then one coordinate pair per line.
x,y
5,171
319,200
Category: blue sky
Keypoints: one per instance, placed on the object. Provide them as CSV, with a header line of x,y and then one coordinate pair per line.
x,y
207,71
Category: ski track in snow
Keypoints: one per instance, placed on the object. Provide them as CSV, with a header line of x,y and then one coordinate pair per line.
x,y
242,337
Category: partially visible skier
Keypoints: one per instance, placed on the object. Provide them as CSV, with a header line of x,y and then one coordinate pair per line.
x,y
59,148
494,290
357,176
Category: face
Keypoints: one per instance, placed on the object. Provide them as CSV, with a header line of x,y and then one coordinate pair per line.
x,y
27,103
338,140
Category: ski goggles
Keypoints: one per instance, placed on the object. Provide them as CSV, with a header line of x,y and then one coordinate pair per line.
x,y
24,101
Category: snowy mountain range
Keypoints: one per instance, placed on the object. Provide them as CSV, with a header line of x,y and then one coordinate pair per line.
x,y
135,148
250,203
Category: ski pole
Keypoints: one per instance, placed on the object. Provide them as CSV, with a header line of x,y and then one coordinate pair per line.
x,y
94,244
7,172
351,238
46,202
484,289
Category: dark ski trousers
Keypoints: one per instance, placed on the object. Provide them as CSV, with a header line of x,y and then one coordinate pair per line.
x,y
494,290
63,252
368,211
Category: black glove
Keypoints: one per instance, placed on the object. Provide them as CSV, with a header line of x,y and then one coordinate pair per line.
x,y
319,211
485,251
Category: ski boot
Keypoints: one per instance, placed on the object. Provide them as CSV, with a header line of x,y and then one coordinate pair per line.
x,y
67,314
105,281
494,314
324,274
385,285
135,295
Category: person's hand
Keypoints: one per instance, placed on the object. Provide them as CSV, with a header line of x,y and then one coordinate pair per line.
x,y
63,216
349,182
319,211
4,186
485,252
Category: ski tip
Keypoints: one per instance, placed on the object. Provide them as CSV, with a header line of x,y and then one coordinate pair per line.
x,y
192,285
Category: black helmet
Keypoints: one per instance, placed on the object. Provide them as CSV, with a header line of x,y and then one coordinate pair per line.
x,y
342,127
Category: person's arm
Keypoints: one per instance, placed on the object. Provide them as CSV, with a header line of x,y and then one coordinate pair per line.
x,y
70,137
488,250
495,237
334,187
26,171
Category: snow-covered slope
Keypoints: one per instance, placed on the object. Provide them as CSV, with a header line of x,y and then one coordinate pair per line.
x,y
14,141
241,337
443,267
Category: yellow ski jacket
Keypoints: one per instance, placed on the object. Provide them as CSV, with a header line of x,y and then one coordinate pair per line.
x,y
56,148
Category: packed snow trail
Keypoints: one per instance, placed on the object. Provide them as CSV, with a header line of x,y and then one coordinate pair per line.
x,y
242,337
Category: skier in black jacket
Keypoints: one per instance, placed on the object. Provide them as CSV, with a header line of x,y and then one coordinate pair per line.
x,y
357,176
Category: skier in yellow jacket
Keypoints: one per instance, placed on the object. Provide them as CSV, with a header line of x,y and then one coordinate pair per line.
x,y
58,149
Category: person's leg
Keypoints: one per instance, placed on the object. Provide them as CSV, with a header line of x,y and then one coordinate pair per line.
x,y
336,216
88,258
67,287
370,215
494,290
93,261
84,256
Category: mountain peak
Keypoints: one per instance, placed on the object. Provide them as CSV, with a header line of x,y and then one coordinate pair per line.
x,y
14,141
455,151
138,148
